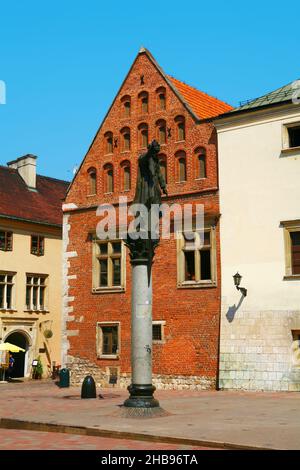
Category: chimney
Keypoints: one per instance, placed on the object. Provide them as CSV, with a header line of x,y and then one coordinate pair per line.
x,y
26,167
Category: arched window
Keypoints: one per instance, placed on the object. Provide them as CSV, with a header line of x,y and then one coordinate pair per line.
x,y
161,131
181,166
126,176
201,162
125,132
144,102
143,135
108,178
92,181
108,136
126,106
180,128
161,98
163,166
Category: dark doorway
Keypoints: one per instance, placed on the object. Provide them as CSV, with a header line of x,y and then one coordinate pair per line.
x,y
19,340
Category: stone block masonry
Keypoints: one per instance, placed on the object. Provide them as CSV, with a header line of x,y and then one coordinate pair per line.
x,y
262,354
80,368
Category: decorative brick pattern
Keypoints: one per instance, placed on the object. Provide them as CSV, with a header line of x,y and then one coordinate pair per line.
x,y
189,353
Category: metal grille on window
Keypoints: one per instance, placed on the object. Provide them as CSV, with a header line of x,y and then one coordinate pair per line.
x,y
157,332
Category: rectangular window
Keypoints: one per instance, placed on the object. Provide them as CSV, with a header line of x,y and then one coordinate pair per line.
x,y
181,131
144,138
294,136
35,292
127,109
109,265
6,290
108,340
158,331
109,145
6,241
145,105
127,182
196,264
37,245
126,144
295,246
182,170
290,136
162,101
292,248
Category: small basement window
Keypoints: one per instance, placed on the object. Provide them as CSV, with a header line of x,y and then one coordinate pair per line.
x,y
158,331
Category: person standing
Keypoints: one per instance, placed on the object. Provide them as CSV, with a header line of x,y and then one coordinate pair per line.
x,y
10,366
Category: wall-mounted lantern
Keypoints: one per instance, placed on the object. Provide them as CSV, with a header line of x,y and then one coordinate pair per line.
x,y
237,280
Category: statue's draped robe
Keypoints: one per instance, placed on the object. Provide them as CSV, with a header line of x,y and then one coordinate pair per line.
x,y
150,181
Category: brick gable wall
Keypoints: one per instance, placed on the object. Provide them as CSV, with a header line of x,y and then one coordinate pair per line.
x,y
190,349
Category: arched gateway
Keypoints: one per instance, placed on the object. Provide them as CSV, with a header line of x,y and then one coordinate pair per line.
x,y
21,358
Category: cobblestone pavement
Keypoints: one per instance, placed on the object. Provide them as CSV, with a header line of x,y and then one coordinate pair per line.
x,y
225,418
11,439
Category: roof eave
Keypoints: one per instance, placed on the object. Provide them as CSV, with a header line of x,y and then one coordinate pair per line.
x,y
32,221
250,110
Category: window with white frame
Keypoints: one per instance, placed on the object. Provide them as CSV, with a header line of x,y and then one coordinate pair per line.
x,y
292,248
36,292
158,331
108,340
196,261
7,282
108,265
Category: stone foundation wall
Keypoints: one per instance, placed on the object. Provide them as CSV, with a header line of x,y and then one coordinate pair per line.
x,y
260,351
80,368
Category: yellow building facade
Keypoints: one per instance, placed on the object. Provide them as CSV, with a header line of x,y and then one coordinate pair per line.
x,y
30,265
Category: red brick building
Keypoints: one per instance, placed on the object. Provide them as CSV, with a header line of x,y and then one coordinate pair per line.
x,y
186,280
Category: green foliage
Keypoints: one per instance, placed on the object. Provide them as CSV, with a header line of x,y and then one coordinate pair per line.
x,y
38,372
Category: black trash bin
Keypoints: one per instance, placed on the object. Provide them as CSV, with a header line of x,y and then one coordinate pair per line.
x,y
64,378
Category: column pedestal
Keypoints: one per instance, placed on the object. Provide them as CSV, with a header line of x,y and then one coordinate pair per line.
x,y
141,389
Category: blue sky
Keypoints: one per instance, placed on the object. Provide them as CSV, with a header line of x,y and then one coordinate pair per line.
x,y
63,62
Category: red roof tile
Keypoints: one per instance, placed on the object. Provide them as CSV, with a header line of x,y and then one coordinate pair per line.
x,y
42,206
203,105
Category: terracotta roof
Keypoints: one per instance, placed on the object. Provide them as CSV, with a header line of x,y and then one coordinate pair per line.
x,y
41,206
203,105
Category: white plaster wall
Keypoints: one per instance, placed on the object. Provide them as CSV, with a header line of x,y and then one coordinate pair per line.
x,y
259,187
